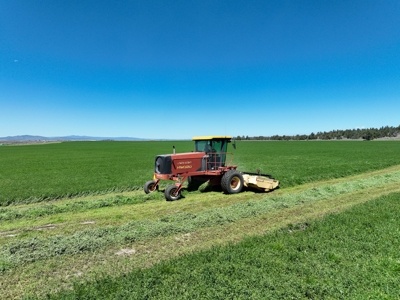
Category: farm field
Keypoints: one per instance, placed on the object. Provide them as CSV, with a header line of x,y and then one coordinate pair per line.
x,y
35,173
301,261
330,231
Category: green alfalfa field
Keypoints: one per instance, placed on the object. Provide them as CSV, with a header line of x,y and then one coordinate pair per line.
x,y
75,224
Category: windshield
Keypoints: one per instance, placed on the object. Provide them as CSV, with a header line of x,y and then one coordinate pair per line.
x,y
211,146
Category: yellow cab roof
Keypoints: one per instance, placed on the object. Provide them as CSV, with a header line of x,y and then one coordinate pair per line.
x,y
211,137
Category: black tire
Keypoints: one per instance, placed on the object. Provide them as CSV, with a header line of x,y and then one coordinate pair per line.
x,y
232,182
170,191
150,186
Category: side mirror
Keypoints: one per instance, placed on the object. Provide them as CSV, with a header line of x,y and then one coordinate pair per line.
x,y
234,144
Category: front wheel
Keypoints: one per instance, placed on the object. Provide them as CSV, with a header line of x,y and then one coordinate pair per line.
x,y
170,193
150,186
232,182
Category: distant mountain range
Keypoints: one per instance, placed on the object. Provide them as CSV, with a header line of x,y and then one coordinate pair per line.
x,y
25,138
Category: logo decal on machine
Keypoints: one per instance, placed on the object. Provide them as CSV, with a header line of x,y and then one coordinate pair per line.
x,y
184,165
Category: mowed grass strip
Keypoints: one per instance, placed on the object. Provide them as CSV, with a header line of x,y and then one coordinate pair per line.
x,y
35,173
11,213
23,251
116,260
350,255
149,206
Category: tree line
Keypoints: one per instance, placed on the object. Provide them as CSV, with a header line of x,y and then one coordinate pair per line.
x,y
354,134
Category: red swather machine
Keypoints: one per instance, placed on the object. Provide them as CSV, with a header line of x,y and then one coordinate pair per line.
x,y
206,164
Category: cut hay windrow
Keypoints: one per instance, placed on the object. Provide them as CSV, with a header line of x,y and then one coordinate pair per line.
x,y
29,250
37,199
10,213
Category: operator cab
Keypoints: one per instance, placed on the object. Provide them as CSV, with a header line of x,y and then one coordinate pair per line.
x,y
215,148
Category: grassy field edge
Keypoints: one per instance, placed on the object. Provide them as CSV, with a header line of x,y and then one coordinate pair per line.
x,y
85,266
351,254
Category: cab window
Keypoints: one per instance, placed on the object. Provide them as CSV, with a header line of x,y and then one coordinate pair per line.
x,y
203,146
211,146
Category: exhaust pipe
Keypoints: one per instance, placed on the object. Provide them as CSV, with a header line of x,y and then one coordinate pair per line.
x,y
173,149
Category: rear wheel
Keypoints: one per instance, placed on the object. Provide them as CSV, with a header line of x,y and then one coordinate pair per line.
x,y
232,182
150,186
170,193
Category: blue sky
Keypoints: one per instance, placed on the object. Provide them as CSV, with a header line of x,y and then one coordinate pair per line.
x,y
177,69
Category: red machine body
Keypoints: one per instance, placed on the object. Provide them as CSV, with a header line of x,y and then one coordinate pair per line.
x,y
190,164
206,163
